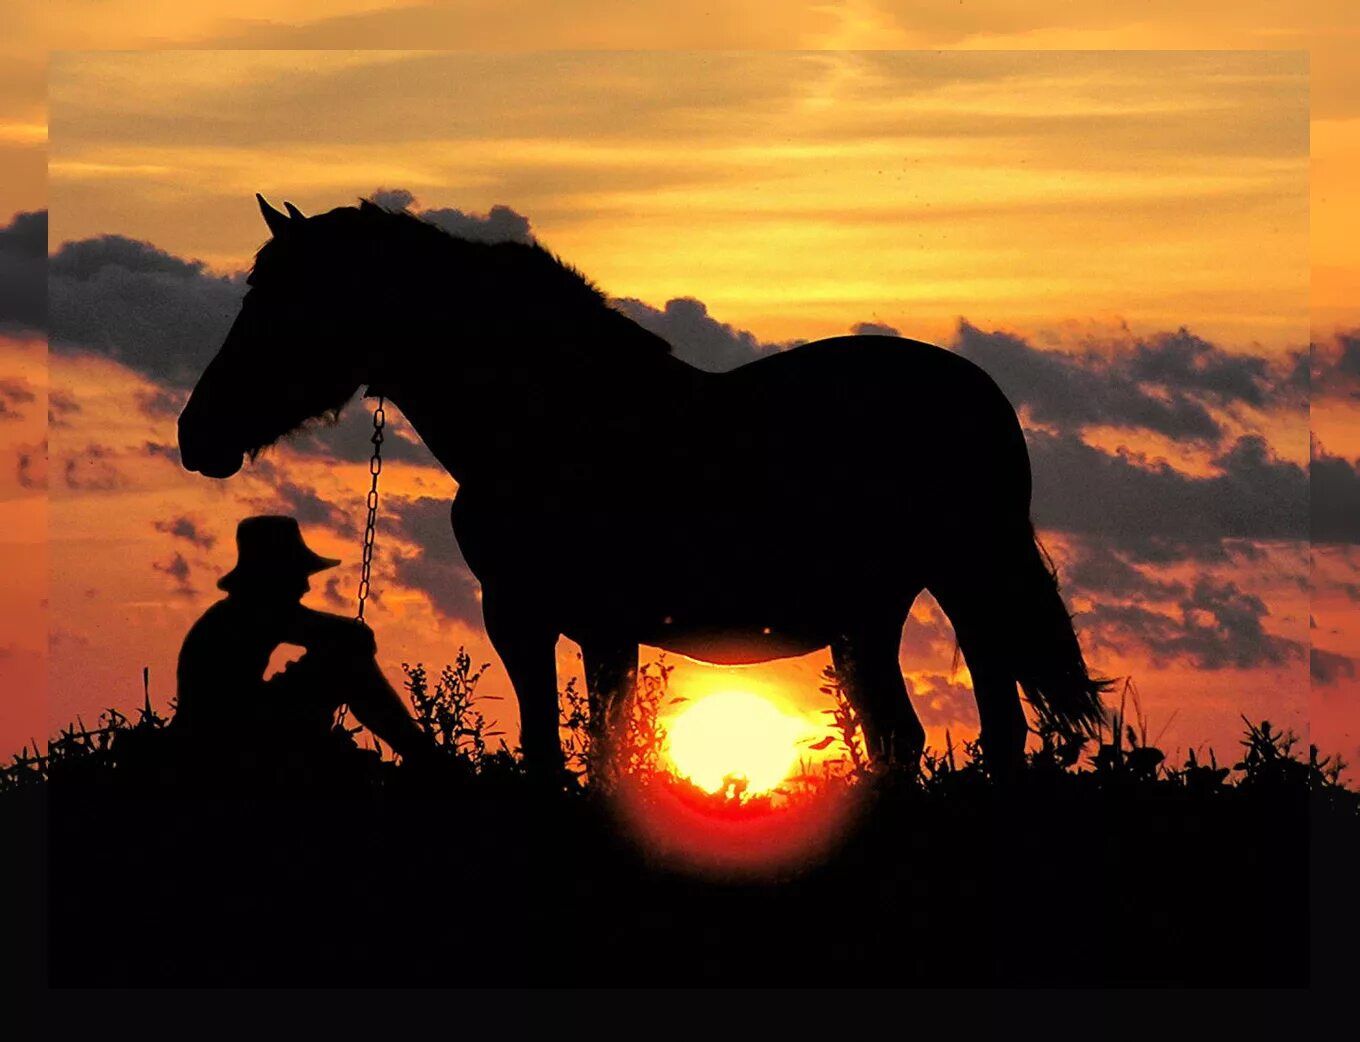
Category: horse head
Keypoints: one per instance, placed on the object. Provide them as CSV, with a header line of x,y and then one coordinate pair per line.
x,y
303,342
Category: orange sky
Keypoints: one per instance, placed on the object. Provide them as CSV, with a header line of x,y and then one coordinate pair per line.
x,y
748,221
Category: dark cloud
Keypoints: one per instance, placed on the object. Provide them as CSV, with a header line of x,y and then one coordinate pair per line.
x,y
14,393
1104,574
159,450
1334,368
166,318
1300,378
695,336
873,329
23,273
161,403
1326,667
155,313
188,529
927,634
1335,488
92,470
1183,360
84,259
330,592
1154,512
1348,362
178,569
941,700
61,404
499,224
394,199
305,505
31,465
1215,625
1166,383
437,568
348,438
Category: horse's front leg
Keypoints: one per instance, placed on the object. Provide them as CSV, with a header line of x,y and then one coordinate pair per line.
x,y
527,646
611,678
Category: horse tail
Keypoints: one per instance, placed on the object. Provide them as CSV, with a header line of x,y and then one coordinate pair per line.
x,y
1046,657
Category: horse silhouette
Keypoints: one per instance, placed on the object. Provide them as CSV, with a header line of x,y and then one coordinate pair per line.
x,y
614,494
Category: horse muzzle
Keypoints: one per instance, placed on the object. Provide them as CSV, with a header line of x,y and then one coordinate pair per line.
x,y
202,457
213,465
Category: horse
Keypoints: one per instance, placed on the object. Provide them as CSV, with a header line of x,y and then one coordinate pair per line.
x,y
612,493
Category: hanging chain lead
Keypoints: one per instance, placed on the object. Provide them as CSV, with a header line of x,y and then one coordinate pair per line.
x,y
374,468
366,569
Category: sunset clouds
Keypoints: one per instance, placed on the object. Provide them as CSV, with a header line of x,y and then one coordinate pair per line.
x,y
1124,238
1171,570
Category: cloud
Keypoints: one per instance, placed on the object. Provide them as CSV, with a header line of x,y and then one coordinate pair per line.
x,y
873,329
31,465
1215,626
160,315
160,403
23,273
1335,489
1326,667
330,592
178,569
1334,367
1165,383
347,438
166,318
84,259
1106,575
499,224
92,470
304,504
1349,360
14,392
159,450
394,199
188,529
436,568
1153,511
941,700
695,336
61,406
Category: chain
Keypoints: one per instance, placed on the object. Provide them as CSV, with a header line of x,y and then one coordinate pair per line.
x,y
374,468
366,569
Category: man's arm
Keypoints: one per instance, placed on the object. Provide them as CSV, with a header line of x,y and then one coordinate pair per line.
x,y
324,631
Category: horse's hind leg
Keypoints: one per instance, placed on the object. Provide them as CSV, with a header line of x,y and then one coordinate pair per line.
x,y
976,611
865,657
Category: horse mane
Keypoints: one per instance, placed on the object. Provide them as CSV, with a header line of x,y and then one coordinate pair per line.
x,y
533,273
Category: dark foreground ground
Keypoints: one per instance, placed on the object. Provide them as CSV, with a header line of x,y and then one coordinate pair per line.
x,y
470,883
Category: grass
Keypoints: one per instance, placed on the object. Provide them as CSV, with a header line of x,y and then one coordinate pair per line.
x,y
1101,864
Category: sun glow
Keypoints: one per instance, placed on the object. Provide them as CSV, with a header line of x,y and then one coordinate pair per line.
x,y
734,736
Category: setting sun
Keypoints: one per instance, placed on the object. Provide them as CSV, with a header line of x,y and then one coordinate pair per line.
x,y
734,734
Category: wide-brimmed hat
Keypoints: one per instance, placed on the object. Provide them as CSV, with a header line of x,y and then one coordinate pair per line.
x,y
270,546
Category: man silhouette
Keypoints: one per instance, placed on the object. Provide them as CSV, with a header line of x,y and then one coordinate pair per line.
x,y
228,711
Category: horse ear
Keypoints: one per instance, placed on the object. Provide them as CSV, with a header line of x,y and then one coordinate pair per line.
x,y
279,224
293,211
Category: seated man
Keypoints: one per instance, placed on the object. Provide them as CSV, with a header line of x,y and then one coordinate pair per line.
x,y
228,711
